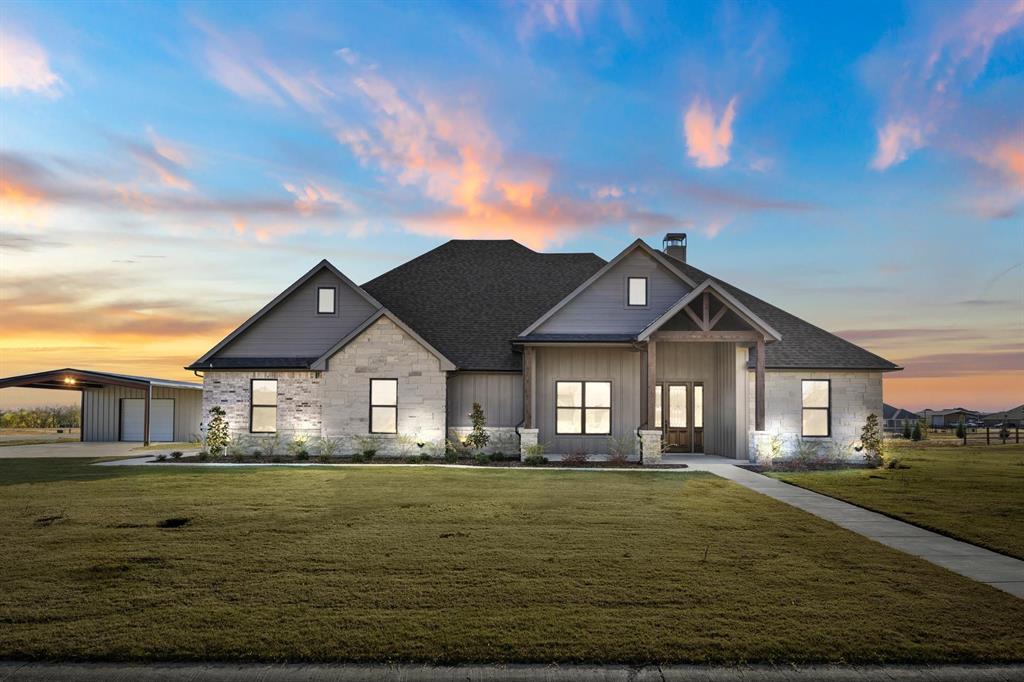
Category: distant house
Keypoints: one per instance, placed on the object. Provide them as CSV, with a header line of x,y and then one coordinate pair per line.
x,y
895,418
950,417
1011,417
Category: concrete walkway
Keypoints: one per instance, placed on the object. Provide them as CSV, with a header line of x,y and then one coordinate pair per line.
x,y
976,563
196,672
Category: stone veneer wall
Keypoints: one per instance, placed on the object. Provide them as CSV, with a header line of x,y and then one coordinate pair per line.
x,y
503,438
855,395
298,401
384,351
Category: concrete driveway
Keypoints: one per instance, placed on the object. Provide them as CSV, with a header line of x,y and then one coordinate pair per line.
x,y
42,450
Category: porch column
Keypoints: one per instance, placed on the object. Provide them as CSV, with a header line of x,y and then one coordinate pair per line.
x,y
145,415
759,387
652,380
529,360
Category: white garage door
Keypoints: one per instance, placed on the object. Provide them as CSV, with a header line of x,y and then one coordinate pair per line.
x,y
161,420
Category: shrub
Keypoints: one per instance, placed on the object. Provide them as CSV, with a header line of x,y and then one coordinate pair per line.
x,y
575,459
297,447
918,433
217,436
327,448
871,441
482,458
771,450
806,454
1004,434
837,451
618,459
906,430
535,460
478,437
454,450
537,449
236,447
498,457
424,457
405,444
276,459
203,455
450,456
961,432
271,445
177,454
368,445
619,449
358,458
161,457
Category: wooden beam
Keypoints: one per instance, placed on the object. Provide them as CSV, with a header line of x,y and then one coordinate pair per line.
x,y
145,416
759,387
693,316
652,380
705,312
748,337
529,359
718,316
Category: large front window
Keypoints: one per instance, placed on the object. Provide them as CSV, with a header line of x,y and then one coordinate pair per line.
x,y
383,405
583,407
263,399
817,408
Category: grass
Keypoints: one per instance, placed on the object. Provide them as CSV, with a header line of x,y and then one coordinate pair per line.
x,y
973,493
441,565
36,441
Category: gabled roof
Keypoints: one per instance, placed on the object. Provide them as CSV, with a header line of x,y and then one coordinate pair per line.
x,y
321,362
1012,413
87,378
803,346
638,244
892,412
726,298
470,297
203,362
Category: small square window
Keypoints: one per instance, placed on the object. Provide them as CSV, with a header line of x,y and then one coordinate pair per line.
x,y
326,300
636,291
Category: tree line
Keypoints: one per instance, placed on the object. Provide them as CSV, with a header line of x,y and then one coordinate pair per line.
x,y
41,418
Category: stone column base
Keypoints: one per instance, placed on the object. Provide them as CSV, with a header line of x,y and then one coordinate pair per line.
x,y
527,439
650,446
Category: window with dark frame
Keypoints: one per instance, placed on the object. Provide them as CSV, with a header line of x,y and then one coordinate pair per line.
x,y
326,300
263,406
383,405
636,292
583,407
816,396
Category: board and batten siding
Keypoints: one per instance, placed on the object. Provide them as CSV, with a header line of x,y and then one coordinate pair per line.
x,y
601,307
620,366
101,411
713,364
500,394
293,328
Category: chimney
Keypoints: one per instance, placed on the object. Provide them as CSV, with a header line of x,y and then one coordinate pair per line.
x,y
674,245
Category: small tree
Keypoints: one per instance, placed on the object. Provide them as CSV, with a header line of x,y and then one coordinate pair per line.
x,y
917,433
961,432
217,436
478,437
871,441
906,430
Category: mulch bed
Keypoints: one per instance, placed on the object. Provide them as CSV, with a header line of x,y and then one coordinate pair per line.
x,y
505,464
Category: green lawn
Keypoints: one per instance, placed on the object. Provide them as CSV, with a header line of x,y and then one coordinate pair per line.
x,y
973,493
446,565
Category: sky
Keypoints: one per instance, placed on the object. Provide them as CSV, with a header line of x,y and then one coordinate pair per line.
x,y
166,169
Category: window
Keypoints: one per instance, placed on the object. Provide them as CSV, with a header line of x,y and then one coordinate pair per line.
x,y
583,407
326,300
636,291
263,399
817,410
657,406
383,405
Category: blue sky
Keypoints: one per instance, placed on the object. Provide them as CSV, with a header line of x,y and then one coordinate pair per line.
x,y
167,168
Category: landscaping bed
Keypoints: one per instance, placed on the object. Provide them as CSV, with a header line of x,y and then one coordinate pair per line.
x,y
502,461
446,565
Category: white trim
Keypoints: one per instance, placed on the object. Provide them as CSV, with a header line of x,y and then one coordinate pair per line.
x,y
726,298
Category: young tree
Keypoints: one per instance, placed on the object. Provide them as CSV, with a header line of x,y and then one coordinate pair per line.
x,y
478,437
871,440
906,430
961,431
217,436
918,432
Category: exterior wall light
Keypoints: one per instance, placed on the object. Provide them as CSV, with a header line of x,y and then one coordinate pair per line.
x,y
69,380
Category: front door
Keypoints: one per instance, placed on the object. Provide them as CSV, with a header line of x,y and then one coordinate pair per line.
x,y
682,414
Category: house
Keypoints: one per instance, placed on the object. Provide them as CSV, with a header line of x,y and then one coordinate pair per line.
x,y
949,418
642,353
895,418
1013,417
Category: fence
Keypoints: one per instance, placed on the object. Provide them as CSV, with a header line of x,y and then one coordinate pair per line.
x,y
973,435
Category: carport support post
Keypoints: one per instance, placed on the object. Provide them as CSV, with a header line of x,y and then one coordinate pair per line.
x,y
145,415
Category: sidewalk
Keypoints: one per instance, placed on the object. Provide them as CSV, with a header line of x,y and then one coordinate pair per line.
x,y
200,672
991,568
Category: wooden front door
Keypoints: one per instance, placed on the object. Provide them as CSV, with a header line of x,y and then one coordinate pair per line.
x,y
682,415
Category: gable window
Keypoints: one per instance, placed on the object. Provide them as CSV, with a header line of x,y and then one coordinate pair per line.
x,y
817,407
326,300
263,401
583,407
636,291
383,405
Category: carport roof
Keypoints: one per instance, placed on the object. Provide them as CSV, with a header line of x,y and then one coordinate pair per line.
x,y
76,379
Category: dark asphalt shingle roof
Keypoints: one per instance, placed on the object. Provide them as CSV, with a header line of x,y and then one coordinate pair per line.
x,y
470,298
577,338
893,412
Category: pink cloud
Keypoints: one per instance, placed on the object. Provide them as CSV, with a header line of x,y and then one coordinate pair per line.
x,y
553,16
25,66
708,141
896,141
